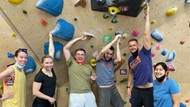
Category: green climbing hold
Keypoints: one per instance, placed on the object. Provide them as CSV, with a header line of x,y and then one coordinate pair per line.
x,y
24,11
124,54
124,80
75,19
114,20
117,32
92,46
105,16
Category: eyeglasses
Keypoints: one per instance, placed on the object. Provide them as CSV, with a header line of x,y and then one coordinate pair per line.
x,y
23,49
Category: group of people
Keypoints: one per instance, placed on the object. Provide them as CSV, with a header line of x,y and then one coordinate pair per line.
x,y
162,92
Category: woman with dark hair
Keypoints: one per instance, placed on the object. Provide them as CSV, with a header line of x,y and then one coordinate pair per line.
x,y
166,90
45,80
14,83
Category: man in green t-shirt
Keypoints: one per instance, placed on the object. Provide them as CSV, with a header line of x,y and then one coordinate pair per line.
x,y
80,76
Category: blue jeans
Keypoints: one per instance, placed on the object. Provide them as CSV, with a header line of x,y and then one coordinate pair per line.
x,y
142,97
110,95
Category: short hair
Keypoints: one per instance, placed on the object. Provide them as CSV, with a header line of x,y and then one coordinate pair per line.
x,y
44,57
20,50
80,49
112,49
164,66
133,39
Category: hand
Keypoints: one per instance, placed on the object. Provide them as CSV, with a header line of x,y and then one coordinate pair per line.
x,y
93,77
7,96
129,92
146,9
83,37
51,100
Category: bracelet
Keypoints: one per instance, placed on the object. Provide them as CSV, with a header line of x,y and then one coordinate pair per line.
x,y
127,86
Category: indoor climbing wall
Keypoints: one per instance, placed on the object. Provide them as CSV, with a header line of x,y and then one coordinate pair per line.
x,y
27,23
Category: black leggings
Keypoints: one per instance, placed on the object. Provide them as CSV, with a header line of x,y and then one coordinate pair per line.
x,y
41,103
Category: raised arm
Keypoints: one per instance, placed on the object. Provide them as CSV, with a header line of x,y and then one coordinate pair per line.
x,y
67,47
51,46
146,38
118,53
100,55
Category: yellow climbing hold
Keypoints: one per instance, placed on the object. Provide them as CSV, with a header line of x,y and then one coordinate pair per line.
x,y
16,1
113,10
13,34
152,43
124,36
171,11
153,21
93,62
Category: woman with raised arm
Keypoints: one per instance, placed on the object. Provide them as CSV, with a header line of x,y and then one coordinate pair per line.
x,y
45,80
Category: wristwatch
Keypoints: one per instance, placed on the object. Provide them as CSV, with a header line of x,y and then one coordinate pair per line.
x,y
127,86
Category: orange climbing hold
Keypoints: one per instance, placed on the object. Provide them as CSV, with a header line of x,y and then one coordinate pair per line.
x,y
43,22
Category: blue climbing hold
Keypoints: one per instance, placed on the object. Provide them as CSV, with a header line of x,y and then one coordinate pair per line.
x,y
58,49
53,7
157,35
30,65
63,30
170,56
164,52
10,55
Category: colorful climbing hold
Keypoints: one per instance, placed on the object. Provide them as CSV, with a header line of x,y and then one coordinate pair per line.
x,y
113,10
93,62
24,11
124,36
153,21
135,33
81,3
182,42
153,54
92,46
10,55
114,20
124,80
171,11
170,56
164,52
155,34
43,22
158,47
105,16
13,34
124,54
117,32
16,1
75,19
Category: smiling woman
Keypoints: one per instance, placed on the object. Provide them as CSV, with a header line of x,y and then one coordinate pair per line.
x,y
166,90
15,82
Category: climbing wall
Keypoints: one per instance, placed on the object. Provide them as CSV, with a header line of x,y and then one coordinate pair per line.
x,y
24,20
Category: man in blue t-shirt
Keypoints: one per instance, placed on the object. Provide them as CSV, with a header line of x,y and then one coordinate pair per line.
x,y
140,68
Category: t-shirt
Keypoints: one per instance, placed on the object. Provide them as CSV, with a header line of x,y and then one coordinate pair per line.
x,y
141,67
79,76
105,72
48,83
163,92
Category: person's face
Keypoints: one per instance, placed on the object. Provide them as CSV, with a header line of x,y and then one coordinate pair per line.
x,y
48,64
21,59
159,71
108,54
133,46
80,56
